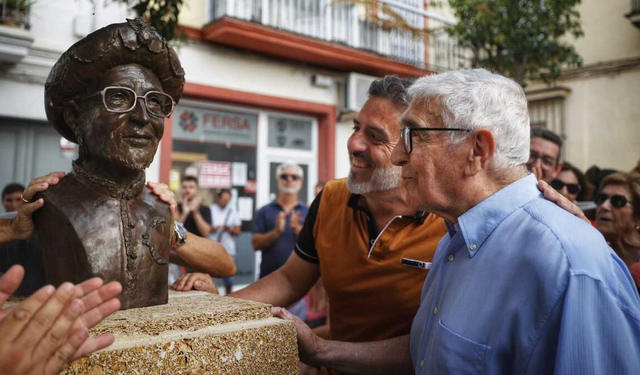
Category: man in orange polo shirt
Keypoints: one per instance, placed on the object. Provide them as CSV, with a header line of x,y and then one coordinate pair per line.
x,y
356,233
355,236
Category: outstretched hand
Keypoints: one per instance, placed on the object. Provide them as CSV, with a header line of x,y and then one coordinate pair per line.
x,y
50,328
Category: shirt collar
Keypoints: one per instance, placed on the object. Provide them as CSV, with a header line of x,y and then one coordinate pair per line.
x,y
356,202
479,222
452,229
276,204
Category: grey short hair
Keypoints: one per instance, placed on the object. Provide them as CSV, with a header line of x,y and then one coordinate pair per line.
x,y
288,164
549,136
393,88
475,99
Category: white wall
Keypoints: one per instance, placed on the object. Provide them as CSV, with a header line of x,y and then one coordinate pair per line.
x,y
209,64
608,34
343,131
603,121
22,100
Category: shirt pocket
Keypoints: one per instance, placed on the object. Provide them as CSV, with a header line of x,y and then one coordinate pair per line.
x,y
456,354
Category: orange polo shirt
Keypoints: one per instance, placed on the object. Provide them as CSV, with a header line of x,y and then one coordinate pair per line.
x,y
370,298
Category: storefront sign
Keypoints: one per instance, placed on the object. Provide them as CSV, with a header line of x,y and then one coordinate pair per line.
x,y
196,124
215,175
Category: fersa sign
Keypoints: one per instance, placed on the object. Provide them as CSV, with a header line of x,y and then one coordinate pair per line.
x,y
206,125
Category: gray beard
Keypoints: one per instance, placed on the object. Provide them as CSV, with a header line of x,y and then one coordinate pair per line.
x,y
382,179
138,165
118,162
288,190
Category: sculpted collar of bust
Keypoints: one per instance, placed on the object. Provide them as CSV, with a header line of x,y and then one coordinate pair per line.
x,y
106,186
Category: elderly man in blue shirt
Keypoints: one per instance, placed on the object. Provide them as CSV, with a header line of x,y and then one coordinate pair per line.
x,y
518,286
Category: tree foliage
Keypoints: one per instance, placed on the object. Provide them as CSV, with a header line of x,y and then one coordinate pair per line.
x,y
522,39
161,14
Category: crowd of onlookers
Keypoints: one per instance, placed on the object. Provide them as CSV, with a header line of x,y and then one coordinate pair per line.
x,y
610,198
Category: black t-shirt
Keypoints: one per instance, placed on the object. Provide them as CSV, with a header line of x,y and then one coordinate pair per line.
x,y
27,254
190,222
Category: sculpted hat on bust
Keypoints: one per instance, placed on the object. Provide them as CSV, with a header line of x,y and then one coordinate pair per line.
x,y
131,42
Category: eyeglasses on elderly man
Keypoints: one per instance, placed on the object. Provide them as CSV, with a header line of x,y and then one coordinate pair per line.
x,y
407,135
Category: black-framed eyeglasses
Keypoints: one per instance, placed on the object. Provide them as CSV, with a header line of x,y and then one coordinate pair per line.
x,y
407,134
293,177
548,162
118,99
571,188
617,201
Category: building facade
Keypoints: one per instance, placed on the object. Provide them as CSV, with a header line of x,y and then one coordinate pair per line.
x,y
267,81
594,107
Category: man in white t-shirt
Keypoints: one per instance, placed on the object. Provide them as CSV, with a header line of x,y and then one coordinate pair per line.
x,y
226,225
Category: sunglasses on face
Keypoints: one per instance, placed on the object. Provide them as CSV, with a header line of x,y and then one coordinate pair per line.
x,y
292,177
571,188
617,201
407,135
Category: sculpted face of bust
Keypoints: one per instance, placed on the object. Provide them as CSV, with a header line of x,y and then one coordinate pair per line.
x,y
116,141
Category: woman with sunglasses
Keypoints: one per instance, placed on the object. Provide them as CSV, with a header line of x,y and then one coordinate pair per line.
x,y
618,216
570,182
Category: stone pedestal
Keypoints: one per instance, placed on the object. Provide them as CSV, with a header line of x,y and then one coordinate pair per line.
x,y
195,333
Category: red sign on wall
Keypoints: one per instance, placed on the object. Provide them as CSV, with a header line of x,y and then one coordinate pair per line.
x,y
215,175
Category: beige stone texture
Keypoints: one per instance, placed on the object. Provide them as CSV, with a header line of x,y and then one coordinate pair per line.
x,y
195,333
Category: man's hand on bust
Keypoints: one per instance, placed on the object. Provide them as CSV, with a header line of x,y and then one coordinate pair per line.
x,y
22,226
165,194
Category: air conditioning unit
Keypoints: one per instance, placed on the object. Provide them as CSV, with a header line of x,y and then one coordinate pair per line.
x,y
356,90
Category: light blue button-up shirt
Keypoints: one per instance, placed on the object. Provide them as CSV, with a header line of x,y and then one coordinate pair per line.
x,y
520,286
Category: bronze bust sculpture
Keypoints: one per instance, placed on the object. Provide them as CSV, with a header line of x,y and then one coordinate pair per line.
x,y
110,93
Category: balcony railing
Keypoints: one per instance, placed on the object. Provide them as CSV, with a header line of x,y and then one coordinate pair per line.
x,y
15,13
345,23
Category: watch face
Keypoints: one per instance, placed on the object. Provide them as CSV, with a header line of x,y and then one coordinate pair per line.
x,y
181,231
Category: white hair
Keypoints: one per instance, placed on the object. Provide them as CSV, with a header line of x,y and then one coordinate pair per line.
x,y
289,164
475,99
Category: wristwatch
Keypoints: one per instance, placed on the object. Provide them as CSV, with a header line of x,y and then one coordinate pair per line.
x,y
180,234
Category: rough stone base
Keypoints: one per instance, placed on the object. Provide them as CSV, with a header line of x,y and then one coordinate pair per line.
x,y
195,333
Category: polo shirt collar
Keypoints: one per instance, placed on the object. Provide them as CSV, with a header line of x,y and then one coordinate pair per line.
x,y
479,222
356,202
276,204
